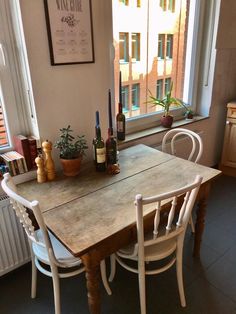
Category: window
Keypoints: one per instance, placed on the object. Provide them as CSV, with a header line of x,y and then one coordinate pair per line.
x,y
125,2
135,96
163,4
159,93
167,84
171,5
124,47
16,116
125,98
135,46
161,43
169,46
153,42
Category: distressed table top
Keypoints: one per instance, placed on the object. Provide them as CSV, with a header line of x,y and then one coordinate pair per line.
x,y
85,210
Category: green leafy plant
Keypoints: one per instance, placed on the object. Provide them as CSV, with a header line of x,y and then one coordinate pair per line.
x,y
167,101
69,146
188,113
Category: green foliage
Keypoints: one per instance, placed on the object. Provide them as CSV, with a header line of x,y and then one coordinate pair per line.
x,y
69,146
166,101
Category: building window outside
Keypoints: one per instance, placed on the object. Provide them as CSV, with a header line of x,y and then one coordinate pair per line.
x,y
135,46
169,46
138,3
124,47
159,93
135,96
163,4
171,5
167,84
125,98
4,141
125,2
161,44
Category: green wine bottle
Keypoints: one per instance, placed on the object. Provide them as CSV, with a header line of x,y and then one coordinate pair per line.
x,y
120,124
99,148
111,148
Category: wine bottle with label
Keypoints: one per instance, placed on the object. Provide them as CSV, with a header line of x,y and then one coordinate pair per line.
x,y
120,124
111,148
99,148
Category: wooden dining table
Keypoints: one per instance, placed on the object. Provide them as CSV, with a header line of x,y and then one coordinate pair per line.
x,y
93,214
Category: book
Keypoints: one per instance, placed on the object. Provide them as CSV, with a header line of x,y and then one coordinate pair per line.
x,y
18,160
9,163
33,150
21,145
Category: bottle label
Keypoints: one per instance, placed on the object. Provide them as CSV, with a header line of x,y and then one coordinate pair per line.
x,y
101,155
120,126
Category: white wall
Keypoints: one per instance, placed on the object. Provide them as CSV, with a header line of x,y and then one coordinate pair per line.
x,y
70,94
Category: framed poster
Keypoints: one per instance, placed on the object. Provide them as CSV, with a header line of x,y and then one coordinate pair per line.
x,y
70,32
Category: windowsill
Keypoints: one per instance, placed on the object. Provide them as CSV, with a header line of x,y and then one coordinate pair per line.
x,y
158,129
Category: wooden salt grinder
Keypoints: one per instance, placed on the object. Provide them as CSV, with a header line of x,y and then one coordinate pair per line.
x,y
41,174
49,163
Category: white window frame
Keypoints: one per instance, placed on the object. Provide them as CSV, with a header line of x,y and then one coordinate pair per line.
x,y
18,105
193,93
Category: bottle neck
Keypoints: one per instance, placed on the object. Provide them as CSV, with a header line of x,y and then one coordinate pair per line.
x,y
120,107
98,132
110,132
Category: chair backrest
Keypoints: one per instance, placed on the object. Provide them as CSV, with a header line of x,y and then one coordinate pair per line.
x,y
187,194
21,207
174,134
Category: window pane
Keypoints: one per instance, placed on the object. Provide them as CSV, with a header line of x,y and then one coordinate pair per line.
x,y
159,93
161,43
125,98
135,96
138,3
125,2
167,84
163,4
136,46
169,46
124,47
171,5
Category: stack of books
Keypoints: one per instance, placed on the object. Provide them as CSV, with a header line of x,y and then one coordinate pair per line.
x,y
15,162
27,147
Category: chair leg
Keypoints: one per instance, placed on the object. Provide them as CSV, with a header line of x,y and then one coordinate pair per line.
x,y
113,267
56,289
34,278
192,224
142,288
104,277
179,271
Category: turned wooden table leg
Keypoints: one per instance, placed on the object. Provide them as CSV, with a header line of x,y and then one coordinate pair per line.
x,y
200,221
93,283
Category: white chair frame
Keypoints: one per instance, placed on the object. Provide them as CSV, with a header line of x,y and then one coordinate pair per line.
x,y
161,244
45,248
171,136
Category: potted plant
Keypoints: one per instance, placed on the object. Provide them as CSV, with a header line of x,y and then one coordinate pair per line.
x,y
166,102
71,150
189,114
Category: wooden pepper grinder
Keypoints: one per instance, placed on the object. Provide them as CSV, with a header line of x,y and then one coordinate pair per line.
x,y
41,174
49,163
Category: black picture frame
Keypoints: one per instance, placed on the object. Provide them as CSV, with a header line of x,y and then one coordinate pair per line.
x,y
70,31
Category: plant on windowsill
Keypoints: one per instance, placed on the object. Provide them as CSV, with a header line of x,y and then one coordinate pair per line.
x,y
71,150
189,114
166,102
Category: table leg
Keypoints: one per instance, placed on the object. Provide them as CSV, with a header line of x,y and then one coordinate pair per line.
x,y
93,284
201,213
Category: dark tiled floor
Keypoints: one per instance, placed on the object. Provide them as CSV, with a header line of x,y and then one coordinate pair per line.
x,y
210,283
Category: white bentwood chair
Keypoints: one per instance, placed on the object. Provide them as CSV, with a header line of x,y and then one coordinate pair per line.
x,y
46,250
162,243
171,139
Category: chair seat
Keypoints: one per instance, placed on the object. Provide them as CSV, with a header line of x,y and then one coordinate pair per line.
x,y
152,253
61,253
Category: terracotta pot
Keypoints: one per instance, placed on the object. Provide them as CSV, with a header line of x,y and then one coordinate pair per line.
x,y
166,121
71,167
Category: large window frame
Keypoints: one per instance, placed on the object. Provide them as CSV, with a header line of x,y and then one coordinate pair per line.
x,y
15,82
199,39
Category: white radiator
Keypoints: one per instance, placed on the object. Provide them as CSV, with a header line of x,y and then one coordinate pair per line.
x,y
14,247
